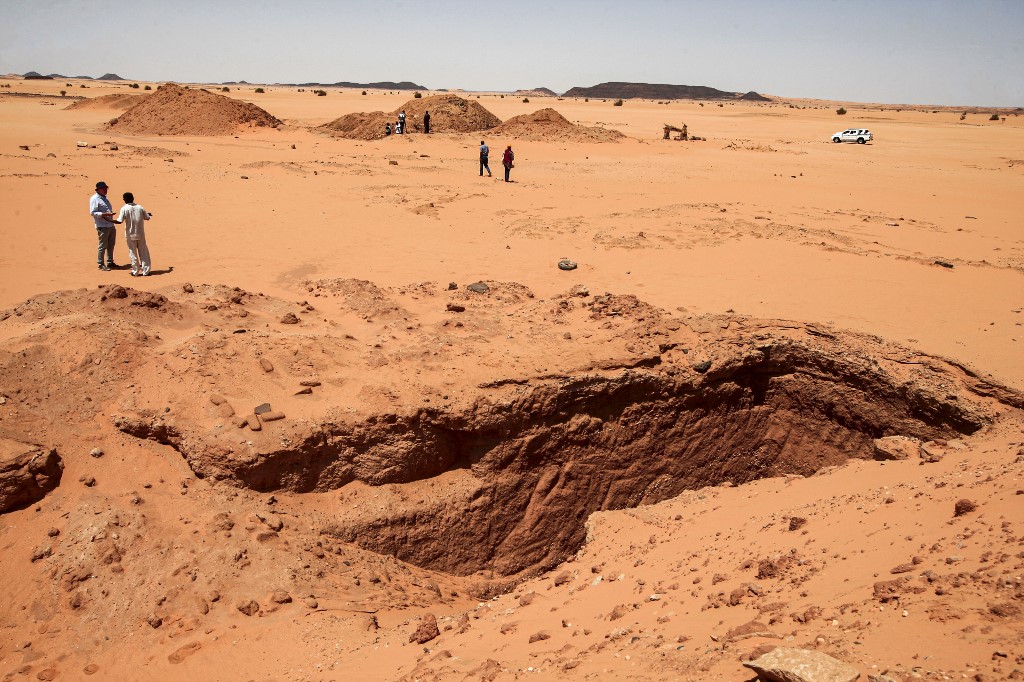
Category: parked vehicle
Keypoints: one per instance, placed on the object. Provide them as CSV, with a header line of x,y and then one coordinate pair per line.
x,y
858,135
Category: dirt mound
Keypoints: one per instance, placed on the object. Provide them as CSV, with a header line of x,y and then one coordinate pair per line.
x,y
174,110
448,114
547,125
117,101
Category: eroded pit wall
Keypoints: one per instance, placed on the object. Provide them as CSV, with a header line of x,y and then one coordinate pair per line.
x,y
505,485
539,461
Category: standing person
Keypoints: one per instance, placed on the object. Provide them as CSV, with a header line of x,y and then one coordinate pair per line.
x,y
426,122
134,216
484,153
102,214
401,122
506,160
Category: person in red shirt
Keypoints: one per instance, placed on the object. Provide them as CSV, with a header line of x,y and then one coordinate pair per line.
x,y
506,160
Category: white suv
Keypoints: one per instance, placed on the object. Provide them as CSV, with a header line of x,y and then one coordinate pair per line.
x,y
858,135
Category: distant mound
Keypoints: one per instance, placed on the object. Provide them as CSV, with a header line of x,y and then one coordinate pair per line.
x,y
536,92
547,125
36,76
110,77
448,114
650,91
755,97
119,102
174,110
383,85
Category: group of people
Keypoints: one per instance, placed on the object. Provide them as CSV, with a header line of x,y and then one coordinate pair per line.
x,y
400,129
506,160
133,216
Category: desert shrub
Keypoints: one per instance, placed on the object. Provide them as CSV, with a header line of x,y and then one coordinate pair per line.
x,y
260,90
963,116
134,85
526,100
586,99
225,89
418,95
82,85
364,93
994,117
148,87
617,103
63,92
503,96
321,93
841,111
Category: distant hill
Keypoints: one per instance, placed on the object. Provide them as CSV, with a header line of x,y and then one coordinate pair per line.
x,y
653,91
755,97
536,92
110,77
384,85
36,76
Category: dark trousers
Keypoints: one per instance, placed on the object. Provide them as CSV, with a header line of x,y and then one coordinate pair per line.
x,y
426,125
507,169
484,166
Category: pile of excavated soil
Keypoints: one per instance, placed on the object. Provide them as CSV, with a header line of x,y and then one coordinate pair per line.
x,y
174,110
118,101
547,125
448,114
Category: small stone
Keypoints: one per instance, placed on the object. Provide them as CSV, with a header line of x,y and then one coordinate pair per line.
x,y
702,367
304,391
797,522
963,506
452,286
187,288
267,365
426,631
289,318
539,637
262,408
562,578
281,597
53,532
392,162
88,481
478,287
896,448
40,553
217,399
154,620
253,422
566,264
91,669
273,416
310,603
309,382
96,452
455,308
225,411
799,665
249,607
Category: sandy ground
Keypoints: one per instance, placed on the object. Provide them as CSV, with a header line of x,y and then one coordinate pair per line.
x,y
915,238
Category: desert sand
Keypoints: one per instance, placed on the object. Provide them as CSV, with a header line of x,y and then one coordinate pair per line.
x,y
359,424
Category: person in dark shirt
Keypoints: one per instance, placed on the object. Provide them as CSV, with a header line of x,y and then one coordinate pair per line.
x,y
484,153
426,122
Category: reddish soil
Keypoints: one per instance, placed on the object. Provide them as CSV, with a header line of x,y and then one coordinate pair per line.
x,y
174,110
548,125
448,114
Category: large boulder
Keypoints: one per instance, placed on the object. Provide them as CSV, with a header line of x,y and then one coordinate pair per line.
x,y
27,473
784,664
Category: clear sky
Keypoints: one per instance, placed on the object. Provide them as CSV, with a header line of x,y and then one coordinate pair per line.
x,y
968,52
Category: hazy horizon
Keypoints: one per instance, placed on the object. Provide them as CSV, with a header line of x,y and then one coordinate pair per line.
x,y
914,52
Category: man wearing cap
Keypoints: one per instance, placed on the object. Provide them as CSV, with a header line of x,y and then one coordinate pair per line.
x,y
102,213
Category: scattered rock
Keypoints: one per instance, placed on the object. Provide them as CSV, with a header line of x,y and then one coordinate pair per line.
x,y
455,308
478,287
896,448
562,578
187,288
310,603
154,620
784,664
183,652
452,286
262,408
539,636
253,422
566,264
702,367
250,607
963,506
27,473
289,318
932,452
96,452
41,553
902,568
281,597
797,522
309,382
267,365
426,631
944,263
91,669
273,416
304,391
